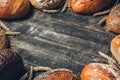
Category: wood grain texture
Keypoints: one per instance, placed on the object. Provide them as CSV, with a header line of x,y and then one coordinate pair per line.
x,y
61,40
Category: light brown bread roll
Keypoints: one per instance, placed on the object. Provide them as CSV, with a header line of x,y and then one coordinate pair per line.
x,y
115,48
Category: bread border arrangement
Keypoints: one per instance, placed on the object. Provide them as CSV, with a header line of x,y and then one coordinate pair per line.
x,y
14,9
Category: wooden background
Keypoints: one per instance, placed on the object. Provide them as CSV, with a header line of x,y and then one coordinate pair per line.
x,y
60,40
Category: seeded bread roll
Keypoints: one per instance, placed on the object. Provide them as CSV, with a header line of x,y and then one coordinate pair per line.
x,y
13,8
11,64
113,20
88,6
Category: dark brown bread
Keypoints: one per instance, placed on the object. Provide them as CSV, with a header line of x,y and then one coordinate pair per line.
x,y
11,64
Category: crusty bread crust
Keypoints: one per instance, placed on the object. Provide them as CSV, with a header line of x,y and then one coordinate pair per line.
x,y
88,6
13,8
115,48
99,71
113,20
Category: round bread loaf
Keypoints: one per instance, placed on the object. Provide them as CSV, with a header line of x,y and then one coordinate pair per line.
x,y
113,20
11,65
88,6
13,8
56,74
99,71
115,48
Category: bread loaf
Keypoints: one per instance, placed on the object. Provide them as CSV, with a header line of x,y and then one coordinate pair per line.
x,y
88,6
99,71
11,64
113,20
13,8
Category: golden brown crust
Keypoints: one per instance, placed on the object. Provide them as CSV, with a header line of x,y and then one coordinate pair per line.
x,y
3,40
88,6
60,75
35,4
113,20
56,74
115,48
13,8
98,71
46,4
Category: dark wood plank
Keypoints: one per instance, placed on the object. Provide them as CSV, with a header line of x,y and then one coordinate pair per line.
x,y
62,40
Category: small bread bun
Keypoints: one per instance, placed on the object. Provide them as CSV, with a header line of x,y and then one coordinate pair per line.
x,y
88,6
115,48
99,71
113,20
11,64
46,4
13,8
56,74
